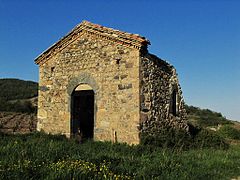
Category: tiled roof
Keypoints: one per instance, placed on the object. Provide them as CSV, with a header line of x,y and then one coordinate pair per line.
x,y
124,38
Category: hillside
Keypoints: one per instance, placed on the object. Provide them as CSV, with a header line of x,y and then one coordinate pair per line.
x,y
16,95
12,89
205,117
18,106
214,121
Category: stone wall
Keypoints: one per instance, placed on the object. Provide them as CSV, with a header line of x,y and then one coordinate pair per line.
x,y
111,69
134,91
158,81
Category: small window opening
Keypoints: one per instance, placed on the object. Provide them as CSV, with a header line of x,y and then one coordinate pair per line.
x,y
173,103
118,61
52,69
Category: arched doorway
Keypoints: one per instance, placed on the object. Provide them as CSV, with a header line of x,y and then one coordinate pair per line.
x,y
82,111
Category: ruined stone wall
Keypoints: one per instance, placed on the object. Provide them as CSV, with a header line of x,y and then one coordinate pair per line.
x,y
158,81
111,69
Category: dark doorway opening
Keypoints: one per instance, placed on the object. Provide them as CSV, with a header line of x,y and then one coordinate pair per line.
x,y
173,103
82,114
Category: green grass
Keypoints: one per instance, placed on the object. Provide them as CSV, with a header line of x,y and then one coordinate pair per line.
x,y
197,138
41,156
229,132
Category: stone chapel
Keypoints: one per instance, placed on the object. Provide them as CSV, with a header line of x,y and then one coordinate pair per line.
x,y
105,84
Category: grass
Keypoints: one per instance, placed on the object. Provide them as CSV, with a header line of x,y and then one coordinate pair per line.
x,y
229,132
41,156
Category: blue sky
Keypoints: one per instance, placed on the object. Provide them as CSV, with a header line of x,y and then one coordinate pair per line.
x,y
201,38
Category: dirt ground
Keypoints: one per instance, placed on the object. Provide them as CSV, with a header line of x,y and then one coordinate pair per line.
x,y
11,122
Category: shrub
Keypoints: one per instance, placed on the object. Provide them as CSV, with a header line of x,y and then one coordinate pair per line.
x,y
177,139
166,138
208,139
230,132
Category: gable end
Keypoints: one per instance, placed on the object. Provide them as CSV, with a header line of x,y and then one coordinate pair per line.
x,y
123,38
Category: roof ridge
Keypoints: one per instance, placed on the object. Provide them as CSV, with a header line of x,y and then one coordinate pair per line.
x,y
97,26
125,38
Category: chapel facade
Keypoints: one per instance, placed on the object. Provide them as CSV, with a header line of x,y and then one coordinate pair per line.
x,y
105,84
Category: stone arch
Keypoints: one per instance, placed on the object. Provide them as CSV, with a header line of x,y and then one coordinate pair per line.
x,y
82,78
82,82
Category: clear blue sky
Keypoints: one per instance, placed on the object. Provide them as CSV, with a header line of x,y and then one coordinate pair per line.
x,y
201,38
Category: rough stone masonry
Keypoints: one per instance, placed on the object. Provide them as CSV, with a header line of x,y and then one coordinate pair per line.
x,y
103,84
